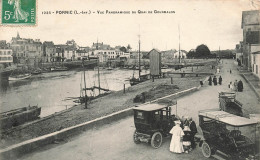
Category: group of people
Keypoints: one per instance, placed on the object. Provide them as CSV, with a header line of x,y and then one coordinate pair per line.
x,y
237,86
214,80
183,136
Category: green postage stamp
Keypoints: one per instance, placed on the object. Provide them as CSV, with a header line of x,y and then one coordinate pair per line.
x,y
18,12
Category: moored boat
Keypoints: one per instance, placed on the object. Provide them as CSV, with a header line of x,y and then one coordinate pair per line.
x,y
19,77
59,69
141,78
19,116
35,72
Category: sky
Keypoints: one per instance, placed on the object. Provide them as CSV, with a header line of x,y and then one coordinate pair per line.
x,y
215,23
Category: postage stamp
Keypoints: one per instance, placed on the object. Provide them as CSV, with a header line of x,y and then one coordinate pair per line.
x,y
18,12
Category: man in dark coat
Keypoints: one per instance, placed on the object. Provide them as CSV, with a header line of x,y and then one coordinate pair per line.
x,y
215,80
240,86
220,80
210,80
193,129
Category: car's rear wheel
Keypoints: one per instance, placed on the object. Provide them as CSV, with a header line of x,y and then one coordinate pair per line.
x,y
206,150
135,138
156,140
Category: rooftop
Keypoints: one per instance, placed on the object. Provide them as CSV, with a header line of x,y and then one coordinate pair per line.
x,y
150,107
227,118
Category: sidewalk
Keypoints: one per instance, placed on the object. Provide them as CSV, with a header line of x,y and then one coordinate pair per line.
x,y
250,95
253,80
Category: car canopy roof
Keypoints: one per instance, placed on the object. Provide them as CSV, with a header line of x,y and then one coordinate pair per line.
x,y
228,118
150,107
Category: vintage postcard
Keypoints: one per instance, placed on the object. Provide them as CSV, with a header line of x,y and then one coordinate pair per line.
x,y
132,79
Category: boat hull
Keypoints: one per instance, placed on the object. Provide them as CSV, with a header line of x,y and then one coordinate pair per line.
x,y
59,69
19,78
19,116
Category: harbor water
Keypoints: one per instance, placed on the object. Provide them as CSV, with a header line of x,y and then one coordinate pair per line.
x,y
57,91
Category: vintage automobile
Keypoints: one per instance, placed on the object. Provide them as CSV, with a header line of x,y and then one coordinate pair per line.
x,y
229,103
152,123
229,135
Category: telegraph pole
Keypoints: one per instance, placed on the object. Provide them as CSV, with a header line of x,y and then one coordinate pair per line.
x,y
139,57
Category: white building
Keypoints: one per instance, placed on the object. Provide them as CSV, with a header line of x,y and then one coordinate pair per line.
x,y
182,54
255,56
6,53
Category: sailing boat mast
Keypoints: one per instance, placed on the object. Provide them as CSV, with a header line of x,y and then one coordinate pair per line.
x,y
139,57
179,45
98,79
85,86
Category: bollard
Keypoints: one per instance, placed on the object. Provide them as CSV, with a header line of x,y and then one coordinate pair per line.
x,y
124,88
171,80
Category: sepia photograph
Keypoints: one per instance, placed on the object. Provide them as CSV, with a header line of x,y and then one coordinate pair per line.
x,y
130,80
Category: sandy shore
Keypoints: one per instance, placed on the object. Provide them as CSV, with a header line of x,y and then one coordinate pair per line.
x,y
104,105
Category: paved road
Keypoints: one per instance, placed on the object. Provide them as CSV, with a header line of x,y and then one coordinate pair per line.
x,y
114,141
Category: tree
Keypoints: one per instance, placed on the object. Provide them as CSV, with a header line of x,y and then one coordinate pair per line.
x,y
123,49
191,54
202,51
129,47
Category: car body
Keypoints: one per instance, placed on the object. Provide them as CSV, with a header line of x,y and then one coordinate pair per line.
x,y
152,122
232,135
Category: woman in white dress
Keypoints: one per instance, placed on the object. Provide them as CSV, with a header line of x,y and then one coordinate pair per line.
x,y
176,142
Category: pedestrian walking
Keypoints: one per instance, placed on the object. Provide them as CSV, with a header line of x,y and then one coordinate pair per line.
x,y
235,85
176,145
220,80
193,129
240,86
215,81
186,139
210,80
230,71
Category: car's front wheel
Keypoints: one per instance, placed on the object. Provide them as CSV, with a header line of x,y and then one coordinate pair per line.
x,y
156,140
135,138
206,150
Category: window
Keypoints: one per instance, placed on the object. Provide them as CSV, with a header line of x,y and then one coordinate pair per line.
x,y
139,115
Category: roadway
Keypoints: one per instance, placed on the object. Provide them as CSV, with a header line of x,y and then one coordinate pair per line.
x,y
114,141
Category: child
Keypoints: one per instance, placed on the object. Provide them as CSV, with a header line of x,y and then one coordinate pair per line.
x,y
187,139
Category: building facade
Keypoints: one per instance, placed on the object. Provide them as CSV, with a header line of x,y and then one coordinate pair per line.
x,y
251,37
49,51
6,53
182,54
26,50
239,52
255,56
104,52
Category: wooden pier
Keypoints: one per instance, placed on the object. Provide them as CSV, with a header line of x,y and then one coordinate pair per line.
x,y
190,73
